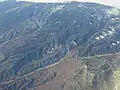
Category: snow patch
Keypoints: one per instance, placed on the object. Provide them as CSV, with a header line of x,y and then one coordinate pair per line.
x,y
74,21
113,44
102,37
97,38
58,8
104,33
103,29
92,15
110,32
90,23
80,5
52,49
118,42
112,29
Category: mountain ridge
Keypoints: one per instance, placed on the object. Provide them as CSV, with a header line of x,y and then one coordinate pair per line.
x,y
38,35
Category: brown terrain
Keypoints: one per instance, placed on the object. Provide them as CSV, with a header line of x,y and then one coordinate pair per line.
x,y
87,73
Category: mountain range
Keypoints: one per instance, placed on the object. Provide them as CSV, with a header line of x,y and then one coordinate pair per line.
x,y
59,46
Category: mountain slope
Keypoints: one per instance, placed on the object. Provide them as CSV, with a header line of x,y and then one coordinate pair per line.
x,y
89,73
36,35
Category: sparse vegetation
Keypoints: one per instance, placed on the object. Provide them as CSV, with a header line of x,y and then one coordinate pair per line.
x,y
66,46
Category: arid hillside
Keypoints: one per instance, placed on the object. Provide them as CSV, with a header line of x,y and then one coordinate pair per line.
x,y
88,73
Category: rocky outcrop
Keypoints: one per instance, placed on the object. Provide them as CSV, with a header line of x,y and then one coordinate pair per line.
x,y
103,67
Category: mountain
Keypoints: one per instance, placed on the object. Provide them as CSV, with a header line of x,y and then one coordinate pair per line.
x,y
34,36
88,73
